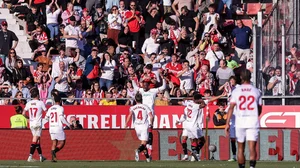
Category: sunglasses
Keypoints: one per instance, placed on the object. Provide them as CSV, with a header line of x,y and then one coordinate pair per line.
x,y
132,5
20,95
12,52
125,53
19,62
114,9
159,93
89,93
21,82
202,53
206,36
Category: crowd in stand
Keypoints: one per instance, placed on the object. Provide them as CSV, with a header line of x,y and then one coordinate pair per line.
x,y
90,51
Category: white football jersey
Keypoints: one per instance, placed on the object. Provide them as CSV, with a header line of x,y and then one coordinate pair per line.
x,y
55,124
149,97
194,115
35,109
247,99
140,114
186,103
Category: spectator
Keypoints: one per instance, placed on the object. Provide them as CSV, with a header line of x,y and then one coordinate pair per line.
x,y
130,90
108,101
229,86
123,71
204,80
5,101
37,74
223,73
186,75
215,35
297,84
53,12
8,40
189,20
149,76
43,85
134,19
230,62
70,100
267,74
150,46
122,10
275,83
18,120
210,18
68,13
114,24
88,99
62,80
220,116
43,59
107,70
184,43
180,4
122,98
79,93
99,22
173,68
111,4
33,19
72,34
174,34
61,39
214,56
292,78
10,62
249,66
176,95
40,5
152,16
97,92
86,17
161,100
166,42
19,72
21,88
206,43
242,40
18,99
124,39
38,39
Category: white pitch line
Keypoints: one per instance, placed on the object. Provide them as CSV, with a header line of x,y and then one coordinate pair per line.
x,y
19,166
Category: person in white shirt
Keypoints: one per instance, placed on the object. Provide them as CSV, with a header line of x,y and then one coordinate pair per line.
x,y
107,70
35,109
140,114
167,6
72,34
248,103
114,24
62,80
56,116
53,11
210,18
193,117
150,45
186,75
149,96
213,57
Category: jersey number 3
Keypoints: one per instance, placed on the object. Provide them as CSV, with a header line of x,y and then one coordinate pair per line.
x,y
140,116
249,100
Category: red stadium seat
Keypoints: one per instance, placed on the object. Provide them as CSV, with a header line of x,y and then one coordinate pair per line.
x,y
253,8
247,22
269,7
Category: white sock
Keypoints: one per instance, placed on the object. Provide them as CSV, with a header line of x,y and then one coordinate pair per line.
x,y
234,156
41,155
186,156
252,167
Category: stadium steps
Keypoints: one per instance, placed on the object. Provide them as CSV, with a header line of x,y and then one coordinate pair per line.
x,y
23,50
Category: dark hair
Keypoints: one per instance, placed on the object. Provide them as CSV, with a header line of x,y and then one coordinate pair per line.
x,y
212,6
207,91
138,98
18,109
104,60
197,96
39,64
149,66
185,61
246,75
53,92
34,93
57,98
232,77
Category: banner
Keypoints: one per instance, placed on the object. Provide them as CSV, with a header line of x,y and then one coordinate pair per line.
x,y
273,144
114,117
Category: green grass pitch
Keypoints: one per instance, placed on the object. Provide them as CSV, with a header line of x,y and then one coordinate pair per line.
x,y
143,164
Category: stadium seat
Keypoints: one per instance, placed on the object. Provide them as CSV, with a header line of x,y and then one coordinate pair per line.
x,y
253,8
269,7
247,22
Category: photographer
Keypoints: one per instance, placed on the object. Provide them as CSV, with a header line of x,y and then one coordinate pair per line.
x,y
75,124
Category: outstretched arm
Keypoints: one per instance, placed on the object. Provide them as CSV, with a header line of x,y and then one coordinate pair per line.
x,y
128,119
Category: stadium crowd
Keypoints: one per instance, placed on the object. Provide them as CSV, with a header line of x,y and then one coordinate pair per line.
x,y
91,51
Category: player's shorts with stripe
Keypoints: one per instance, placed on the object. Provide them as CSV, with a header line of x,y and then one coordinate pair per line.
x,y
194,132
248,134
36,130
184,132
141,131
58,136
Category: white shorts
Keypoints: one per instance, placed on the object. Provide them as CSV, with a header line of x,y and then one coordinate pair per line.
x,y
36,130
232,131
248,134
184,132
194,133
141,132
58,136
